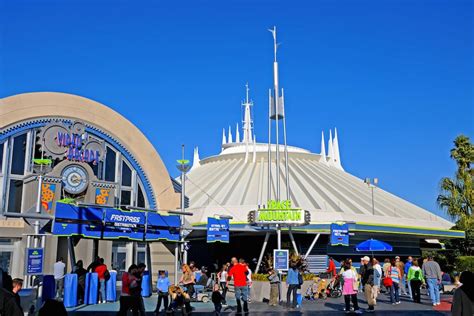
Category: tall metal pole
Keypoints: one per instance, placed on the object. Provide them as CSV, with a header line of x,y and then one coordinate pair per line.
x,y
276,103
183,166
287,169
269,193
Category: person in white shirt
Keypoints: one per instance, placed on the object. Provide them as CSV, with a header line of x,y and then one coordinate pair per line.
x,y
59,268
222,276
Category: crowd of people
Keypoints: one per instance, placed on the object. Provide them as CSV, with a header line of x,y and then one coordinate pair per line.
x,y
396,278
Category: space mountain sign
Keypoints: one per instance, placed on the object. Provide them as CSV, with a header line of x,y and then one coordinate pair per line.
x,y
281,213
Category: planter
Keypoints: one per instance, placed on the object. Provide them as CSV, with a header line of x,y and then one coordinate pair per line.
x,y
261,290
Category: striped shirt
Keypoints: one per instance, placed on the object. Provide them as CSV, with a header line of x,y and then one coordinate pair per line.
x,y
394,273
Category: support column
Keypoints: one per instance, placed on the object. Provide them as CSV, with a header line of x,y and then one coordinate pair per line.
x,y
293,240
267,235
312,245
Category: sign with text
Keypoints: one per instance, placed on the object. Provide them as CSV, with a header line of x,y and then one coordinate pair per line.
x,y
124,224
339,234
281,213
34,261
160,227
281,259
217,230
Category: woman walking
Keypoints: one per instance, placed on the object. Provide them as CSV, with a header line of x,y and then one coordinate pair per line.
x,y
350,287
395,274
222,277
292,282
188,279
415,278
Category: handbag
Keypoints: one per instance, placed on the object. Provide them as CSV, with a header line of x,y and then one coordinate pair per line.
x,y
387,281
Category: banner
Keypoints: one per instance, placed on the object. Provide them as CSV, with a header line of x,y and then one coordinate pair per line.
x,y
280,259
47,196
34,261
339,234
72,220
217,230
161,227
124,224
102,196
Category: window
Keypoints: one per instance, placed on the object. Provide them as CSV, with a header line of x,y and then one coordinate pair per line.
x,y
141,197
126,175
19,152
110,165
126,198
15,195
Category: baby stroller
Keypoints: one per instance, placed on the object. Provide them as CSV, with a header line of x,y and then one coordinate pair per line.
x,y
317,290
180,301
334,287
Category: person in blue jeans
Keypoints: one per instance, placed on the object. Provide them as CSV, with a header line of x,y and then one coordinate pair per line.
x,y
292,282
432,273
408,264
395,275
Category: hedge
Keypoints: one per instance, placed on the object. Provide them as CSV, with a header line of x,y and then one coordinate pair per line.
x,y
464,263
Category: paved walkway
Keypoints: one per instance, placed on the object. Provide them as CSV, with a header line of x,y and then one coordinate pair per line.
x,y
320,307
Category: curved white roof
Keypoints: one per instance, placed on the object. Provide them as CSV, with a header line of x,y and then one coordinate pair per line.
x,y
235,182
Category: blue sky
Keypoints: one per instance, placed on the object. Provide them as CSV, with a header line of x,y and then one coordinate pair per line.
x,y
395,77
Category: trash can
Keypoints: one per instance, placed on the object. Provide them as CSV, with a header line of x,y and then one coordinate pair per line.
x,y
70,290
111,287
146,290
92,289
49,287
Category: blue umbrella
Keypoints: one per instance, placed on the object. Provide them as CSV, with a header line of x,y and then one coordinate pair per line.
x,y
373,245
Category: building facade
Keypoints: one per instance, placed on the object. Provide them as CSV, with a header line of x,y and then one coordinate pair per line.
x,y
83,151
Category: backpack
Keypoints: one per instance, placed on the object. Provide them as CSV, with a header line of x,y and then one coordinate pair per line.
x,y
417,275
300,279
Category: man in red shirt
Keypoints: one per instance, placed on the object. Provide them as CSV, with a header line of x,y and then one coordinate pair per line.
x,y
239,272
100,270
332,268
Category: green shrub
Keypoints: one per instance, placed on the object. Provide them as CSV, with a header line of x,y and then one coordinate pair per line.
x,y
264,277
464,263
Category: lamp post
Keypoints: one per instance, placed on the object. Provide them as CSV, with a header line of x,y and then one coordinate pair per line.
x,y
372,187
183,166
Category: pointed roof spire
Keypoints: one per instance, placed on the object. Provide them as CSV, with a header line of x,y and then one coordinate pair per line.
x,y
337,157
224,141
229,137
330,149
323,149
196,159
237,134
247,125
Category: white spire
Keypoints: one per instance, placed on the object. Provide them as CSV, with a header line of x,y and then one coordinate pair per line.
x,y
229,138
196,159
237,134
330,150
254,149
247,123
323,148
337,157
224,141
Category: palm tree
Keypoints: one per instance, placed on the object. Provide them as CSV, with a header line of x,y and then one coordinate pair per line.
x,y
457,194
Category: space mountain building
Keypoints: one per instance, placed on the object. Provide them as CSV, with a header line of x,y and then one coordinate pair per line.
x,y
246,174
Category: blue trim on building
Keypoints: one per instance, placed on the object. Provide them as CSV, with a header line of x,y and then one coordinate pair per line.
x,y
382,229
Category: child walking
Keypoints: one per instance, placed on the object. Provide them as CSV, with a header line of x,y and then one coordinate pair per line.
x,y
217,299
162,285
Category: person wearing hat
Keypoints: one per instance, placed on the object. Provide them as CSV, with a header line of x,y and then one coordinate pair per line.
x,y
367,281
